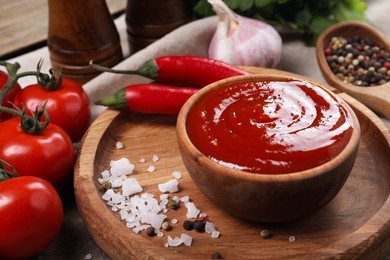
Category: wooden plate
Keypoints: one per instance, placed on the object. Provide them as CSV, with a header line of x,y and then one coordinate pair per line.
x,y
355,223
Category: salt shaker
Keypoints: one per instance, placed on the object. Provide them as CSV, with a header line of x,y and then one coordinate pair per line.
x,y
149,20
80,31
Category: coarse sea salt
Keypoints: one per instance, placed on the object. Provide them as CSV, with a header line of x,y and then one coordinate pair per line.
x,y
170,186
143,210
192,210
176,174
130,186
151,168
215,234
177,241
155,158
121,167
119,145
209,227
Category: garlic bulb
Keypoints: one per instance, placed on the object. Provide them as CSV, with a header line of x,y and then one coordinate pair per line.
x,y
239,40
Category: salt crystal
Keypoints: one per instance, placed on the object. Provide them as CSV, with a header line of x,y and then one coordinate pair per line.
x,y
185,199
121,167
202,215
291,239
147,195
137,230
116,183
119,145
108,194
174,241
160,234
88,257
192,211
142,160
164,196
186,239
117,198
155,220
105,174
130,187
215,234
176,174
174,221
169,186
155,158
209,227
151,168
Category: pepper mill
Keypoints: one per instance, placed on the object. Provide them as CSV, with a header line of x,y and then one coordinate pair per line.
x,y
149,20
80,31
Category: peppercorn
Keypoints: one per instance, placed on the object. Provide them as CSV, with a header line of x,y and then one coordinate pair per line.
x,y
188,225
358,61
216,255
166,226
265,234
150,231
199,225
173,204
106,186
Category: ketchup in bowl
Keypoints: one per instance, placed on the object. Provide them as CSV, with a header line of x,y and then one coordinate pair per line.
x,y
270,127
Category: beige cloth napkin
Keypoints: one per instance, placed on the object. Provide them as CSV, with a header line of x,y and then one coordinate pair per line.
x,y
193,39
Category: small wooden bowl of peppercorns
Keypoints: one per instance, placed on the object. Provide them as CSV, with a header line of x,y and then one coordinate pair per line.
x,y
354,57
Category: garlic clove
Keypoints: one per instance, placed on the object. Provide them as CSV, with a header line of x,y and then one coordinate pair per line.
x,y
239,40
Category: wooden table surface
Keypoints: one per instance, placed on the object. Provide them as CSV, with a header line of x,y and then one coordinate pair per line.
x,y
23,29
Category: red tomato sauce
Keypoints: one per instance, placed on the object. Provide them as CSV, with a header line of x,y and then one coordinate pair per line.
x,y
271,127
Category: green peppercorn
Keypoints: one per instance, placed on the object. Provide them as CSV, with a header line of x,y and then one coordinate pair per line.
x,y
188,225
265,234
106,186
173,204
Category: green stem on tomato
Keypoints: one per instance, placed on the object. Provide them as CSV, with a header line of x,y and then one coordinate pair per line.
x,y
29,124
7,174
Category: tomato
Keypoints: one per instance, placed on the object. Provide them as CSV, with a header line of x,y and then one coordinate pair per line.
x,y
10,95
31,215
68,106
49,155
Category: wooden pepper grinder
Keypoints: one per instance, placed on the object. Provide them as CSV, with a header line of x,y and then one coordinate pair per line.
x,y
80,31
149,20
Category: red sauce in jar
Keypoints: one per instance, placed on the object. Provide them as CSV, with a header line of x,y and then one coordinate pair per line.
x,y
270,127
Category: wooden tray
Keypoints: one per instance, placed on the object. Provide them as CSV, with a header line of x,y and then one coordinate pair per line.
x,y
355,224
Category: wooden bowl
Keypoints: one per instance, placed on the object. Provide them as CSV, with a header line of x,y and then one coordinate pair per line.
x,y
260,197
376,98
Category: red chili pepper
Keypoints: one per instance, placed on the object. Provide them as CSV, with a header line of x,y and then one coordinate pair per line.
x,y
152,98
190,70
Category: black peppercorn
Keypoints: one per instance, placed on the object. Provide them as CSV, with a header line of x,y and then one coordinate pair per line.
x,y
150,231
216,255
199,225
188,225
